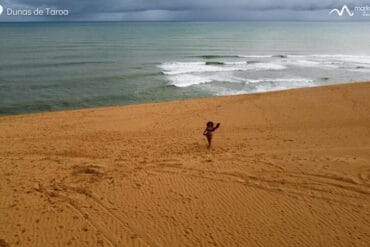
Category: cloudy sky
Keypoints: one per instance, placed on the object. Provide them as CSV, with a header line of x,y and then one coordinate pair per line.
x,y
184,10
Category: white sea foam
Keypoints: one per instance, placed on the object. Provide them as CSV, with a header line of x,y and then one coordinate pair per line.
x,y
185,74
283,84
254,56
342,57
261,85
297,81
315,60
175,68
329,61
317,57
186,80
229,75
273,84
265,85
303,63
270,62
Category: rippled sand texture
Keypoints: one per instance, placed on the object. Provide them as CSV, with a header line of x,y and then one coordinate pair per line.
x,y
287,168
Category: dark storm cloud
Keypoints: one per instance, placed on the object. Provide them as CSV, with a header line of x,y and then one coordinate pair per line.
x,y
190,9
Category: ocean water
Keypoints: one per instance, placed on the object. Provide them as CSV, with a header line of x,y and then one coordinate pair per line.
x,y
58,66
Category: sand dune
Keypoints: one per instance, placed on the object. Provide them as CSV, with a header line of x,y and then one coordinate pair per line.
x,y
287,168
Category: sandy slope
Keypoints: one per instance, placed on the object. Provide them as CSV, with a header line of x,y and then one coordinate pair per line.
x,y
287,169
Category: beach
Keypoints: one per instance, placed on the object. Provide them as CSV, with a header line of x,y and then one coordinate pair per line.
x,y
286,168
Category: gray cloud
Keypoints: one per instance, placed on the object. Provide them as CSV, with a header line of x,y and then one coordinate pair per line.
x,y
189,9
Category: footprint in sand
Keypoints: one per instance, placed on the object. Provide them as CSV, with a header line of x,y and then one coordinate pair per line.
x,y
169,163
3,243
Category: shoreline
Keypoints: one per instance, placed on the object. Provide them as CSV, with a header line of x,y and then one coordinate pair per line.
x,y
288,168
181,99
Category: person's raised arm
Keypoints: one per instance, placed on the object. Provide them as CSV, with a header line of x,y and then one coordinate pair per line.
x,y
217,125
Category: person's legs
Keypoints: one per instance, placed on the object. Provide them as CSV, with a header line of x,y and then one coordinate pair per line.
x,y
209,138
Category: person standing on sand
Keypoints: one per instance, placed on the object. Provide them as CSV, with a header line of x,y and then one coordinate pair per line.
x,y
208,131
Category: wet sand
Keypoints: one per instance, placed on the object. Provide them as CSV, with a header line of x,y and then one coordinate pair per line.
x,y
289,168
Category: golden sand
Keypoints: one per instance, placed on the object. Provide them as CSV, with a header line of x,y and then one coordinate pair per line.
x,y
288,168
